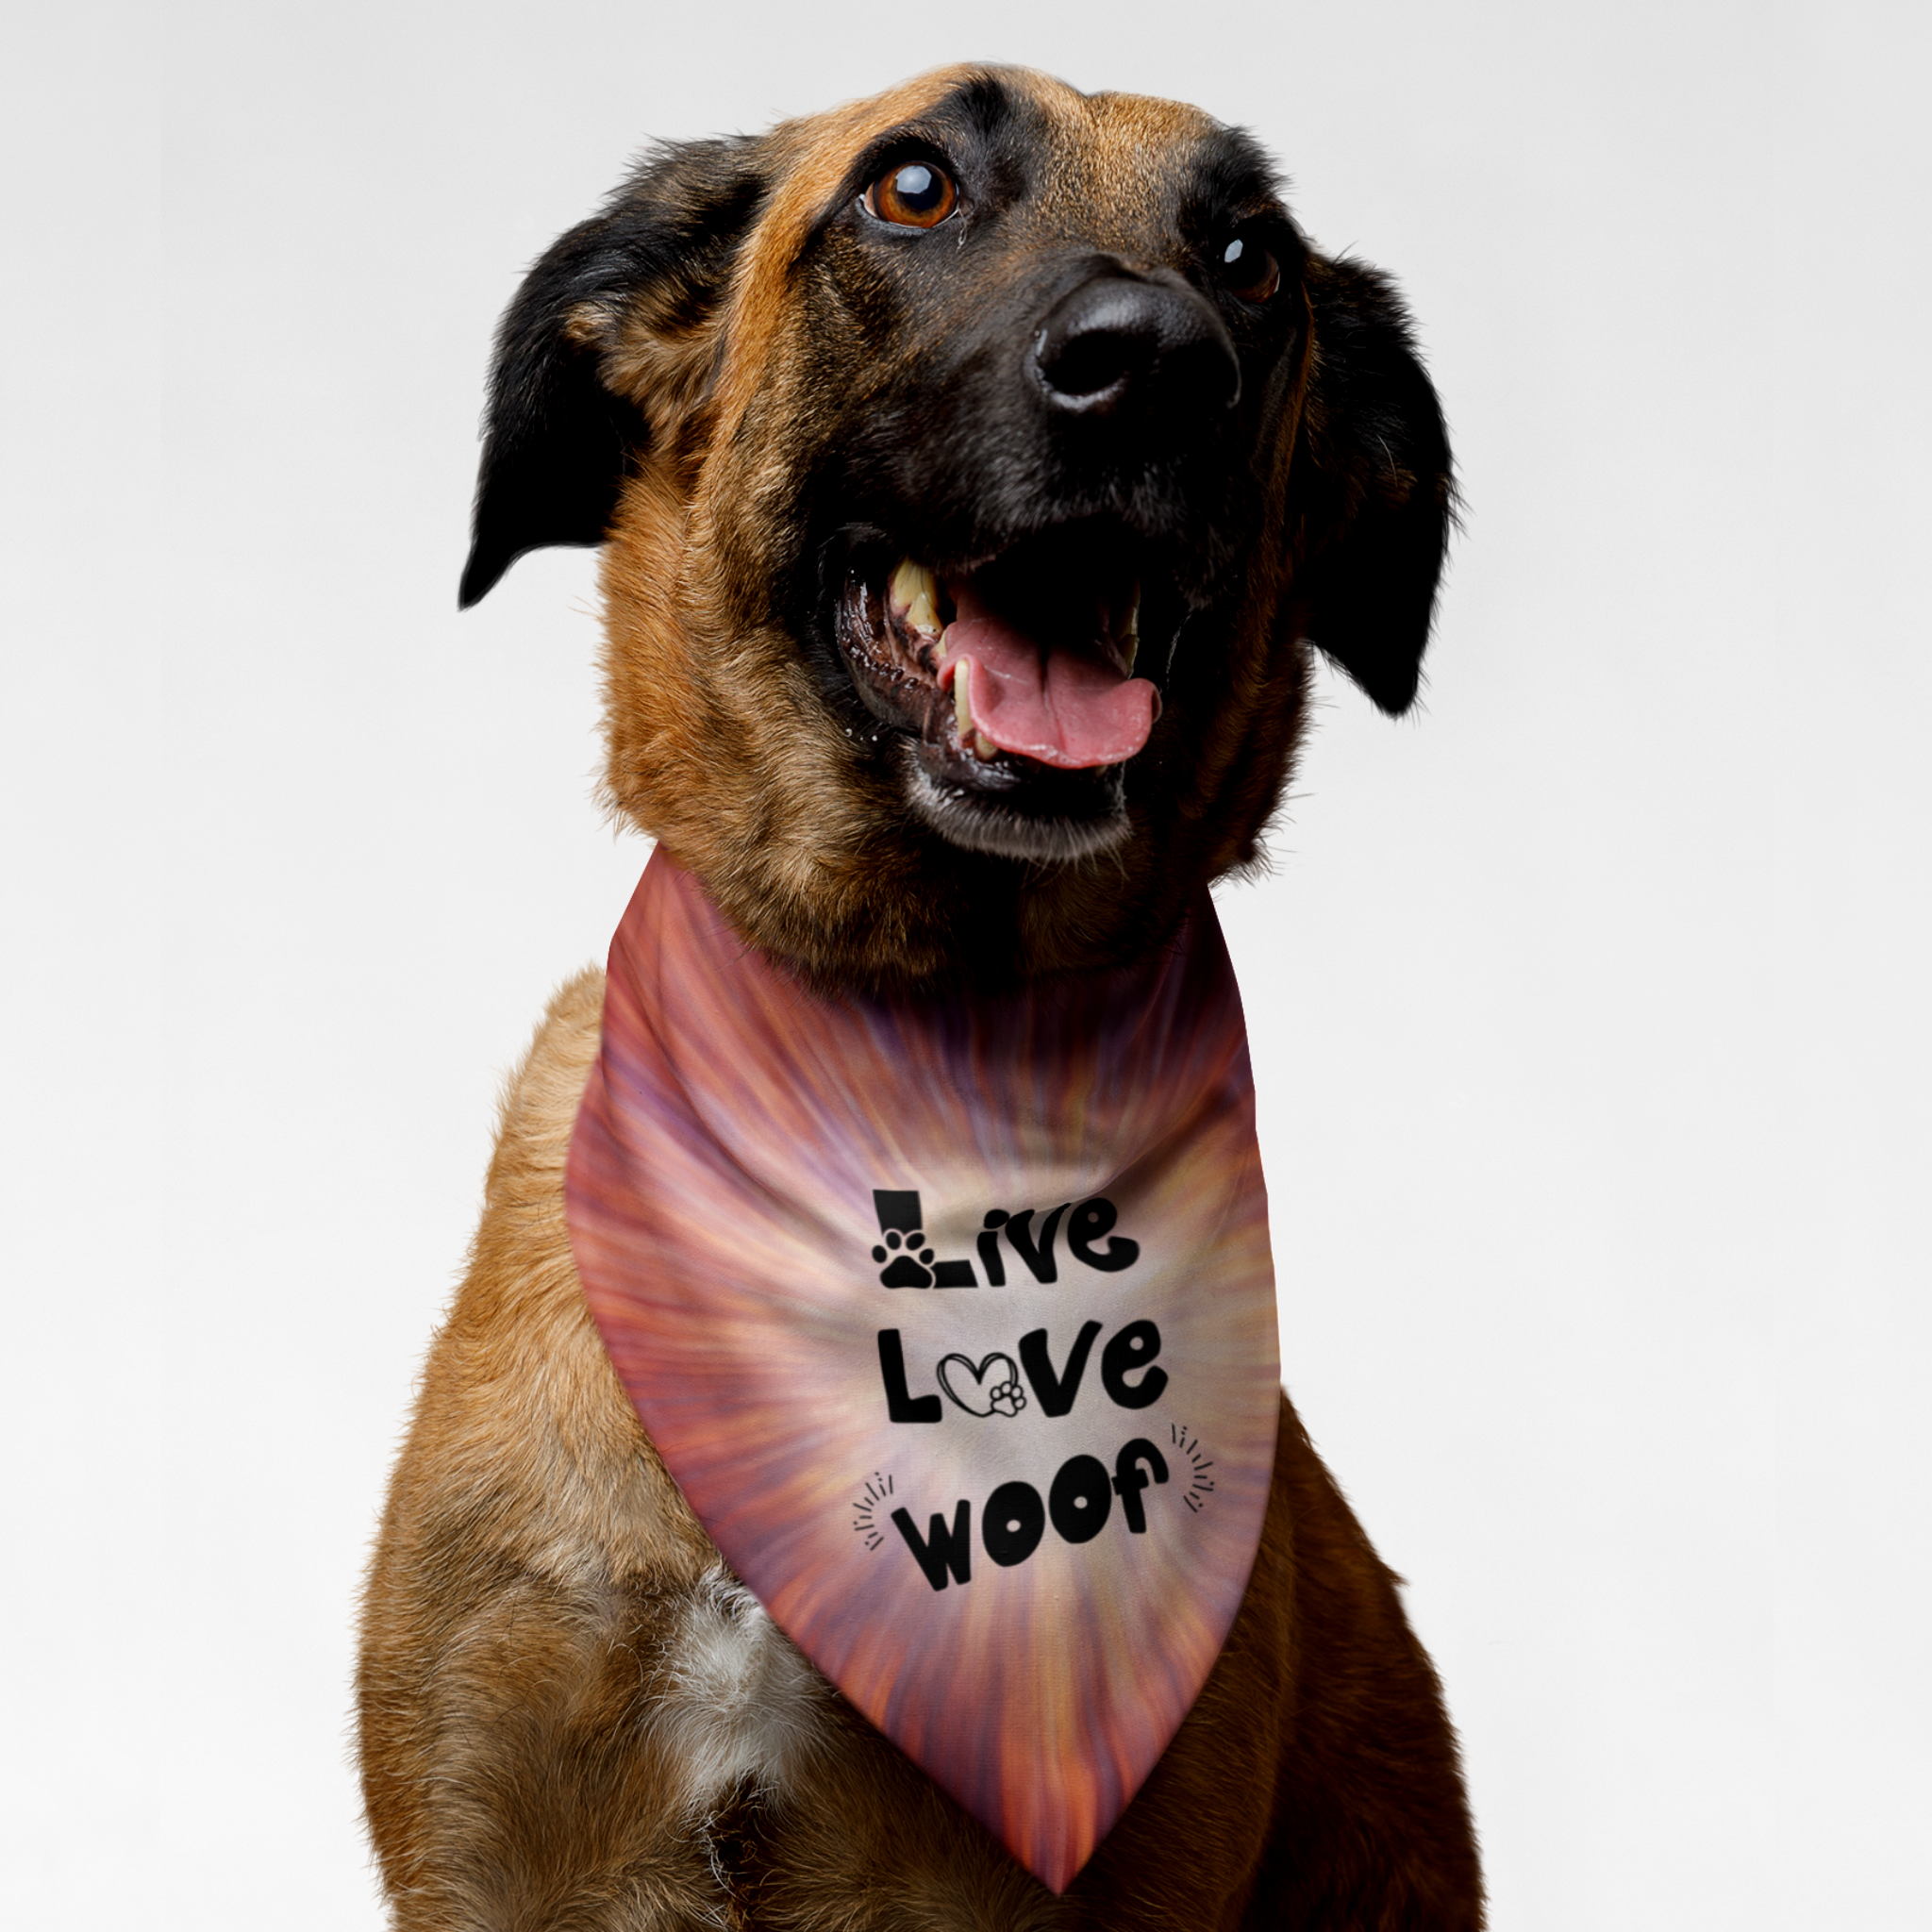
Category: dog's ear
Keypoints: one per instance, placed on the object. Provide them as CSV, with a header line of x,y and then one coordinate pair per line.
x,y
1375,496
592,338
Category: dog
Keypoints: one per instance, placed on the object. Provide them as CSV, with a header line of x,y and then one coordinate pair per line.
x,y
989,344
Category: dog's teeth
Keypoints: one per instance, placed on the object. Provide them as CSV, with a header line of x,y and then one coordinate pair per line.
x,y
962,708
915,594
983,747
1130,636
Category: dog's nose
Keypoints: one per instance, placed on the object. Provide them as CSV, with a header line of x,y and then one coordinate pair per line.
x,y
1119,345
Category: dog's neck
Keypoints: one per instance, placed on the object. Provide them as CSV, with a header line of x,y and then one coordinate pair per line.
x,y
870,901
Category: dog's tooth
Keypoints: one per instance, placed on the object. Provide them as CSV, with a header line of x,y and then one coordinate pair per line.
x,y
962,707
983,747
1130,636
914,591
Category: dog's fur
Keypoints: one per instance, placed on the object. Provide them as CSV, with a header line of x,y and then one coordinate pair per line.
x,y
750,389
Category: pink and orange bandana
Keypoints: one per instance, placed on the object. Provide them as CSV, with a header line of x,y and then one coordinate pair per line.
x,y
954,1319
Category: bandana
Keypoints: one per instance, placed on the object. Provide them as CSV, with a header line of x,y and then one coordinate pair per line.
x,y
954,1319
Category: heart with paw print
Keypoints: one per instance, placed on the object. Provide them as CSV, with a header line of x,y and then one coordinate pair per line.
x,y
972,1388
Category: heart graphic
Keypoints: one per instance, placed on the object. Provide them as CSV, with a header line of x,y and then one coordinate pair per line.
x,y
993,1387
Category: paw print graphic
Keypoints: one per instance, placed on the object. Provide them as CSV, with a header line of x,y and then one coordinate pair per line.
x,y
1009,1398
906,1268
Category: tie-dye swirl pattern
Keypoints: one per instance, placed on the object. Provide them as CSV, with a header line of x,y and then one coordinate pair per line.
x,y
722,1213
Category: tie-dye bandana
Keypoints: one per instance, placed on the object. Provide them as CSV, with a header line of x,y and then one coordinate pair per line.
x,y
954,1319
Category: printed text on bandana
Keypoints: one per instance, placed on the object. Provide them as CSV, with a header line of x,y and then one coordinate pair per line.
x,y
1080,1498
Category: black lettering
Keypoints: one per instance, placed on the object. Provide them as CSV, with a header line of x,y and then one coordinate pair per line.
x,y
1057,1392
900,1403
1012,1523
954,1275
1134,1347
897,1209
944,1549
989,1248
1092,1219
1038,1259
1081,1498
1129,1482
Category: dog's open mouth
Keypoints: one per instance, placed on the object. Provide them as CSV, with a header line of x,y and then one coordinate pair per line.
x,y
1012,687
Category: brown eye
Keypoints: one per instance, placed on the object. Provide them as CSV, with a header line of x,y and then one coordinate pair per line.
x,y
1250,269
915,194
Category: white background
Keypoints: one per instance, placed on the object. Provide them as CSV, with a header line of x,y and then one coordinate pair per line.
x,y
1588,1003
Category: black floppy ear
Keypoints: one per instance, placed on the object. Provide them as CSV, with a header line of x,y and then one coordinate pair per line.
x,y
559,437
1379,495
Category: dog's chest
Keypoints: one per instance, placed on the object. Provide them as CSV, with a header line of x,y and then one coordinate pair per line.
x,y
736,1705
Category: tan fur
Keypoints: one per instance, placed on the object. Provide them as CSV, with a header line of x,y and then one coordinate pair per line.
x,y
572,1714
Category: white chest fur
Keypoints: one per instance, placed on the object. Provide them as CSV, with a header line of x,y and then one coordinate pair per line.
x,y
735,1702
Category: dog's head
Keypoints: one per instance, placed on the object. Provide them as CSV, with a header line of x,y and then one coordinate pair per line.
x,y
973,466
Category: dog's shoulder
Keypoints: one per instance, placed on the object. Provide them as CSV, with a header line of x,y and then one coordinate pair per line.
x,y
541,1098
524,1443
542,1596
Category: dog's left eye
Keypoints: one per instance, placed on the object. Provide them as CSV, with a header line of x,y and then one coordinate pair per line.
x,y
915,194
1249,268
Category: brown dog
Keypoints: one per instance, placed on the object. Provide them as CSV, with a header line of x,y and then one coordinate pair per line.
x,y
1069,355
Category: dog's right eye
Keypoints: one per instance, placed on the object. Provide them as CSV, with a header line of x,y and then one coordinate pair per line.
x,y
915,194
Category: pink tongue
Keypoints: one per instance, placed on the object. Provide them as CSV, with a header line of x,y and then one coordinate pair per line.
x,y
1062,710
